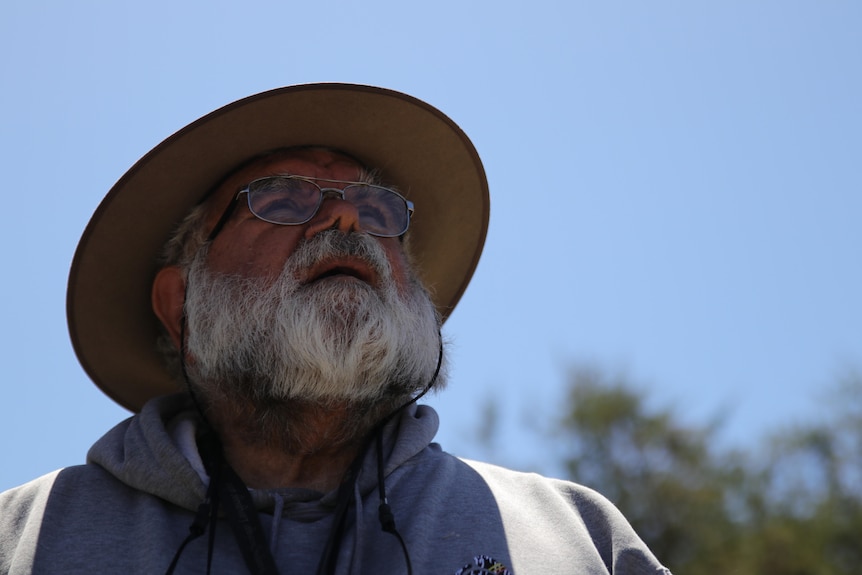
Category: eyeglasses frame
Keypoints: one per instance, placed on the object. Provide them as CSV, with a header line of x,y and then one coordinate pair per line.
x,y
228,212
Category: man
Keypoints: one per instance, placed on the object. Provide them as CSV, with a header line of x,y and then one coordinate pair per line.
x,y
295,253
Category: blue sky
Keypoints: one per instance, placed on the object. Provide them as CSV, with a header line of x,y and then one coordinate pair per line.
x,y
675,189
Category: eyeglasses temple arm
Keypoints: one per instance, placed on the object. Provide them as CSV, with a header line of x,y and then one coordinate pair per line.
x,y
224,218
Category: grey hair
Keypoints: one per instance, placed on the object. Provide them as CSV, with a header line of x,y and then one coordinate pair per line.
x,y
187,239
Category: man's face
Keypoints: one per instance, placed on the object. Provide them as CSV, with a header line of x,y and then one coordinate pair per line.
x,y
250,247
319,313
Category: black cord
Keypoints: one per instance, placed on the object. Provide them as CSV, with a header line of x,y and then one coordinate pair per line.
x,y
387,518
224,484
206,513
208,509
328,558
196,529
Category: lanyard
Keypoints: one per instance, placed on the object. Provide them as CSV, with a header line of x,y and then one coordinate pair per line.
x,y
239,508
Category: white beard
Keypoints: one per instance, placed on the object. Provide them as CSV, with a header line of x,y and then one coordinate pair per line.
x,y
263,341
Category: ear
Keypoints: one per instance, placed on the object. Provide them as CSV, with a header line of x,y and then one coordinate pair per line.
x,y
168,297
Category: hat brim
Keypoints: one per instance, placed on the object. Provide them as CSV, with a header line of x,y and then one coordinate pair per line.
x,y
415,146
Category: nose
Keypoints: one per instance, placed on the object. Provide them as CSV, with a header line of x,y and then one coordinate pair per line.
x,y
334,214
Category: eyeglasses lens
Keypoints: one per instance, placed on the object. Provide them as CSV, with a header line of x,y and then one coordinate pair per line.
x,y
381,212
283,200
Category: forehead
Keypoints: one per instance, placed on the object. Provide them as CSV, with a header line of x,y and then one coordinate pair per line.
x,y
312,162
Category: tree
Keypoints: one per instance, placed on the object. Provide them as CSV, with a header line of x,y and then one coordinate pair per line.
x,y
663,475
810,493
789,506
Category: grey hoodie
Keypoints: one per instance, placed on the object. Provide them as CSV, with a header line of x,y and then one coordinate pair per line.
x,y
129,508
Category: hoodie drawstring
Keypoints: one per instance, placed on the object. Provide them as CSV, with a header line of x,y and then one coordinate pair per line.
x,y
277,512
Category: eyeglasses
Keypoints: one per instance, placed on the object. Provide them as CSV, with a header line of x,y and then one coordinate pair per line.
x,y
294,200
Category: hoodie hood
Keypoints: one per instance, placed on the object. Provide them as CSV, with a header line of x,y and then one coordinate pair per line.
x,y
154,452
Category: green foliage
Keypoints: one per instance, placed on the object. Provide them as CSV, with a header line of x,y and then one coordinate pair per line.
x,y
811,492
791,506
661,474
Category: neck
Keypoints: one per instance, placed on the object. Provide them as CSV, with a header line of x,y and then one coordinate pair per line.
x,y
293,444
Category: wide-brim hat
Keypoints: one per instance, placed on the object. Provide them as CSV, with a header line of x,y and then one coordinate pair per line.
x,y
415,146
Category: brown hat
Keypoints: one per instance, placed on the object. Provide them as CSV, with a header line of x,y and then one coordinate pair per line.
x,y
415,146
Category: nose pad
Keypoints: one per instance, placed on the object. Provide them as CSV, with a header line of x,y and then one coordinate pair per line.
x,y
335,213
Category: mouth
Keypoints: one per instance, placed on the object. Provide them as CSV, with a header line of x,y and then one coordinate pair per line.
x,y
342,268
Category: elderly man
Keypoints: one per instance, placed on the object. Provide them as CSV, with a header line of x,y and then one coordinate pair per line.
x,y
273,249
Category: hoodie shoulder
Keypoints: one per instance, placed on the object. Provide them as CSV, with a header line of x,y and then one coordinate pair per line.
x,y
534,506
20,522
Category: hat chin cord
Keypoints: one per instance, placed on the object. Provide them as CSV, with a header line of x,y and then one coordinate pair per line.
x,y
346,491
239,508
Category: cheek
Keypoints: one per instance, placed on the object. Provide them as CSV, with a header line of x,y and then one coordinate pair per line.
x,y
260,254
400,266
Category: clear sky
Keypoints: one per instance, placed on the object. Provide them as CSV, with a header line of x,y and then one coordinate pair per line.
x,y
676,189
